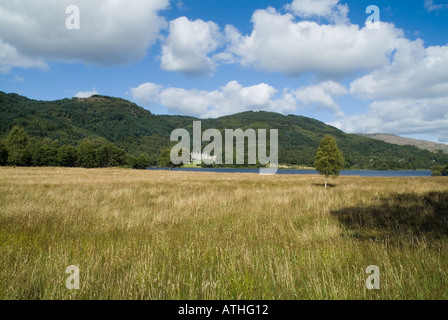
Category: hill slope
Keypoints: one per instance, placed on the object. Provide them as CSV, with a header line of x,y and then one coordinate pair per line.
x,y
137,130
422,144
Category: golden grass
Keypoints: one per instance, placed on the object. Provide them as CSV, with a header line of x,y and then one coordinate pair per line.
x,y
183,235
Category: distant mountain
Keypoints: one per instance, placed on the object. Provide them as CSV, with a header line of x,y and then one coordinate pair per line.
x,y
422,144
137,130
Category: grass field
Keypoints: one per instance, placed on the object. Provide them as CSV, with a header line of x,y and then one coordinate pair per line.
x,y
182,235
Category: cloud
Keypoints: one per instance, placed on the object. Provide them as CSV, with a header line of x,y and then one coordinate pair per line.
x,y
401,116
229,99
329,9
112,32
18,79
322,96
415,72
189,102
430,6
279,43
410,94
86,94
225,58
146,93
188,45
10,57
180,5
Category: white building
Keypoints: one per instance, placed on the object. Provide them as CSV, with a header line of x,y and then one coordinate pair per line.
x,y
199,157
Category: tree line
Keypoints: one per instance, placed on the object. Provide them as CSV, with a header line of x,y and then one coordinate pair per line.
x,y
17,149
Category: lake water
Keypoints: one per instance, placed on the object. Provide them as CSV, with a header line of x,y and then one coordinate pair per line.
x,y
362,173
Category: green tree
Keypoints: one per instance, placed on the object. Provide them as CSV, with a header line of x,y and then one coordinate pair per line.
x,y
118,156
67,156
16,144
43,152
108,154
130,160
438,171
329,160
164,159
99,153
87,154
141,162
3,155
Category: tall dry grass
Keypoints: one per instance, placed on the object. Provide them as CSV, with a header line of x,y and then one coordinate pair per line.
x,y
181,235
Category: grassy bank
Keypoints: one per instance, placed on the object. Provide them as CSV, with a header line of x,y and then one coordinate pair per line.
x,y
182,235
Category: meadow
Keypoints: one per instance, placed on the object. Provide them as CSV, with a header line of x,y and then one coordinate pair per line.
x,y
184,235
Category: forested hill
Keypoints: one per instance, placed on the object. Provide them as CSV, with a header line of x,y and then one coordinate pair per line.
x,y
137,131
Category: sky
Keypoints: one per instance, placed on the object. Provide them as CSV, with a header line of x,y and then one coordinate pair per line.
x,y
363,66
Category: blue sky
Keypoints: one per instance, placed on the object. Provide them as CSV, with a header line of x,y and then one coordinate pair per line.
x,y
316,58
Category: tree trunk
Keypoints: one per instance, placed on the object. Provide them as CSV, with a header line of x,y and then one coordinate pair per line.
x,y
326,179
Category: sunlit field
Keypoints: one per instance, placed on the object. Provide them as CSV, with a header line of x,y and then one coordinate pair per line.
x,y
181,235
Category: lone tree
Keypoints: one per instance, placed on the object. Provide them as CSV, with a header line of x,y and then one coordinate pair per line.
x,y
329,160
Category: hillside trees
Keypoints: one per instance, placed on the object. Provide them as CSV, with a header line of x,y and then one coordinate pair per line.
x,y
138,131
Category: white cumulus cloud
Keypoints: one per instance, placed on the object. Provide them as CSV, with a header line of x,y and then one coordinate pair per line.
x,y
415,72
188,46
86,94
10,57
322,95
146,93
410,95
329,9
229,99
402,117
112,32
279,43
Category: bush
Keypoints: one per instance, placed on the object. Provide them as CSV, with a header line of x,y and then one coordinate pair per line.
x,y
438,171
